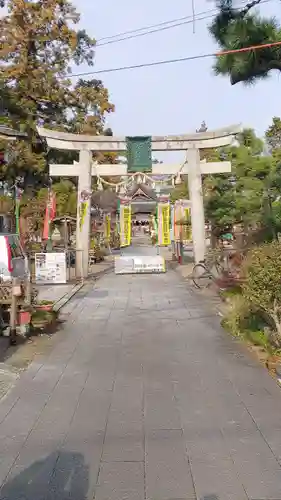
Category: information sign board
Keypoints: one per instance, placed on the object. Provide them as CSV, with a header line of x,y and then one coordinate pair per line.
x,y
50,267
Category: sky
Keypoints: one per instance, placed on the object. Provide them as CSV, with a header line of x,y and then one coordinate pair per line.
x,y
174,98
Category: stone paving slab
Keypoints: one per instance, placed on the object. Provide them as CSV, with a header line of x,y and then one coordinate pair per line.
x,y
143,397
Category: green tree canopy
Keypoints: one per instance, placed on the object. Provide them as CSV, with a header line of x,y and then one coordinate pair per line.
x,y
244,196
235,29
273,134
180,192
250,194
39,43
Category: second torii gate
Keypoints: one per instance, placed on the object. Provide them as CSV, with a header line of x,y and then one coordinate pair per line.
x,y
193,168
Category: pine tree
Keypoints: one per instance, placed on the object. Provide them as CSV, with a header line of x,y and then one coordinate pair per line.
x,y
236,28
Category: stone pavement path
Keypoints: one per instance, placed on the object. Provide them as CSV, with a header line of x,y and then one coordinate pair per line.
x,y
144,397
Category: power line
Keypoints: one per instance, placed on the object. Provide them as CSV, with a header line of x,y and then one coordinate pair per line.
x,y
190,20
165,25
151,26
177,60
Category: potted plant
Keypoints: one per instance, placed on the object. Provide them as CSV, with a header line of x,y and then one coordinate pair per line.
x,y
41,318
45,305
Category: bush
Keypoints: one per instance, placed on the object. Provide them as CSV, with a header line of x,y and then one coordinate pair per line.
x,y
238,315
242,320
262,287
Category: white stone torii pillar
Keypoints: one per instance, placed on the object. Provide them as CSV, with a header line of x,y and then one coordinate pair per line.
x,y
193,169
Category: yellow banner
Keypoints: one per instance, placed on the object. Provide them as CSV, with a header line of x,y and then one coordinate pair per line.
x,y
186,229
125,225
107,227
82,213
164,224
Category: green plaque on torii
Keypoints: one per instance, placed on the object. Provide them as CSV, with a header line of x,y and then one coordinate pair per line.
x,y
139,157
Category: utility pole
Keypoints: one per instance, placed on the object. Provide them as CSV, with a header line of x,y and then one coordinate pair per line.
x,y
18,192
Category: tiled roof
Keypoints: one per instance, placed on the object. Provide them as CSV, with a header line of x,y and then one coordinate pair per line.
x,y
144,190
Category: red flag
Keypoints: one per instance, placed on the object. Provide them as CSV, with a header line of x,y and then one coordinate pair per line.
x,y
52,206
50,214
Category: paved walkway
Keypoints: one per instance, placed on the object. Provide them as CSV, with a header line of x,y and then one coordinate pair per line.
x,y
143,398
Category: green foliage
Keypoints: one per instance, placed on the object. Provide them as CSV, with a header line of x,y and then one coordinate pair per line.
x,y
273,134
243,196
262,287
180,192
220,203
40,43
237,29
7,204
66,198
239,312
250,194
244,320
258,338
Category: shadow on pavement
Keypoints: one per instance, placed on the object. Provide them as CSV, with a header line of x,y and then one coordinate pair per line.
x,y
62,476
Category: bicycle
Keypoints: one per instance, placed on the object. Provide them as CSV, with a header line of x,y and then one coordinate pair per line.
x,y
207,271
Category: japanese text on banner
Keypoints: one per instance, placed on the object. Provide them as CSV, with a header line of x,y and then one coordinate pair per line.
x,y
177,218
107,227
187,229
164,223
125,225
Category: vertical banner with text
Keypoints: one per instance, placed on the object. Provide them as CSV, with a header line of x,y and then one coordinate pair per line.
x,y
125,223
50,214
177,218
181,220
107,227
164,223
186,228
172,224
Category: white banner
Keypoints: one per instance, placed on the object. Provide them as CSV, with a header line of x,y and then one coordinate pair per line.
x,y
172,229
50,267
154,264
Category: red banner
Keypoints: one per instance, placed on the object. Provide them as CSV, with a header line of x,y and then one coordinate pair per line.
x,y
49,214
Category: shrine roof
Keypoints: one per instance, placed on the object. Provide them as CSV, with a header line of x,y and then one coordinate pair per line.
x,y
140,191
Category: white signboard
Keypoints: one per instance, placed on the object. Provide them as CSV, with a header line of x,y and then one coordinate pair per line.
x,y
140,264
50,267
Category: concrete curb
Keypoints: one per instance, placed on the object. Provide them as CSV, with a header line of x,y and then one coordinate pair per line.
x,y
66,297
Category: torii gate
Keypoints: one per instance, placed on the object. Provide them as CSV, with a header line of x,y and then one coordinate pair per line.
x,y
193,168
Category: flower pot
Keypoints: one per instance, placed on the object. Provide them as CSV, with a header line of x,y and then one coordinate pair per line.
x,y
44,307
24,317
